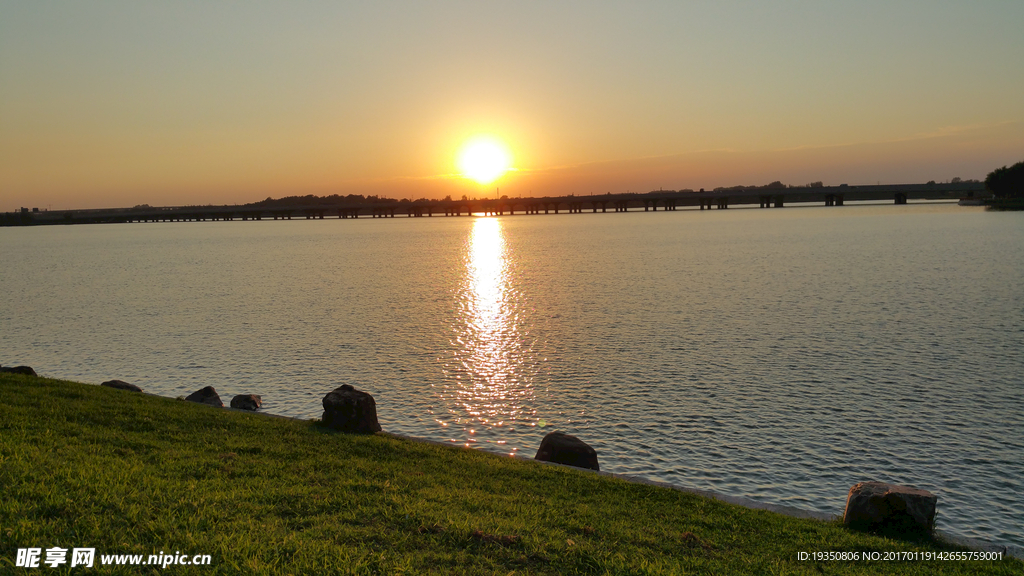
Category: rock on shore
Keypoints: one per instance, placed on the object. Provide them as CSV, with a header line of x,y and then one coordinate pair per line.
x,y
206,396
247,402
27,371
350,410
877,505
567,449
121,385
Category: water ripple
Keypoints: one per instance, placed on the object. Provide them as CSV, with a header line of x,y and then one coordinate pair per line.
x,y
779,355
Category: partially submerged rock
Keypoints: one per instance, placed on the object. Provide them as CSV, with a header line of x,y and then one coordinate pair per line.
x,y
27,371
350,410
567,449
247,402
206,396
877,505
121,385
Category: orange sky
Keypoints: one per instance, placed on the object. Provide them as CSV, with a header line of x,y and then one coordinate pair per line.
x,y
122,103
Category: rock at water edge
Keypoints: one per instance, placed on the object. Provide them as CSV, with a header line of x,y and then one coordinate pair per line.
x,y
877,505
247,402
567,449
121,385
206,396
350,410
27,371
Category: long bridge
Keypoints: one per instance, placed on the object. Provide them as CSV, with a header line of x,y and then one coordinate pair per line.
x,y
651,201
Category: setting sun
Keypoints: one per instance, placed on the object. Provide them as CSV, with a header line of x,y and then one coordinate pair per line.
x,y
484,159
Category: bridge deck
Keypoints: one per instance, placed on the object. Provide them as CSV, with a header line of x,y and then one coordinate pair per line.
x,y
652,201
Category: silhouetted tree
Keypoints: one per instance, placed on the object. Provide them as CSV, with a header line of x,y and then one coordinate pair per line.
x,y
1006,182
312,200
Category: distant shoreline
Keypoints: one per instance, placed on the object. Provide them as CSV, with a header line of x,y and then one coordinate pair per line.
x,y
319,208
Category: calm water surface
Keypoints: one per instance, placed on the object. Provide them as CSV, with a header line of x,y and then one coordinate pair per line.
x,y
781,355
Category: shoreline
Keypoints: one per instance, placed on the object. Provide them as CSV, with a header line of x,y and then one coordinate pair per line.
x,y
138,473
976,544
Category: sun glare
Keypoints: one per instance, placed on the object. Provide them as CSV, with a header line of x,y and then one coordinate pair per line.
x,y
484,159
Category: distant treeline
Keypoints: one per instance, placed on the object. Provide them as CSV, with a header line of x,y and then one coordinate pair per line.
x,y
359,199
819,184
1007,182
332,200
770,186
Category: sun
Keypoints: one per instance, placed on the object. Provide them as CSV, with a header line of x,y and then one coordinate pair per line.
x,y
484,159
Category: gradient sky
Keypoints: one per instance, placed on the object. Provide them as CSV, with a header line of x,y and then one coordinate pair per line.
x,y
108,103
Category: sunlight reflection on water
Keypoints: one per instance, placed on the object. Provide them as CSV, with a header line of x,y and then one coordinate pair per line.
x,y
489,390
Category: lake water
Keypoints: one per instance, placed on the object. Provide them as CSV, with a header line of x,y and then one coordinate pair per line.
x,y
781,355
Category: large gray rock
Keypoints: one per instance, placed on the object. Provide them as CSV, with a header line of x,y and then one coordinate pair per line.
x,y
877,505
121,385
567,449
247,402
350,410
18,370
206,396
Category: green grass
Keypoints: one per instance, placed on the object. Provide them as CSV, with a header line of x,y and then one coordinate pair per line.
x,y
86,466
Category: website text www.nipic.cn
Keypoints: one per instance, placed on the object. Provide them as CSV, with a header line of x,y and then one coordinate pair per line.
x,y
86,558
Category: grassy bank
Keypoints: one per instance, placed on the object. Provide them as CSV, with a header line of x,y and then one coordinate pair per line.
x,y
85,466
